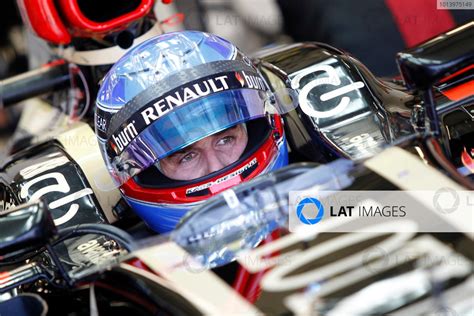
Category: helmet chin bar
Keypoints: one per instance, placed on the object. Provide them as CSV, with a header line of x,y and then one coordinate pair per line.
x,y
104,56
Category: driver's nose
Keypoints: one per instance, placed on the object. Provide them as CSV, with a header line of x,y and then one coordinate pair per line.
x,y
214,163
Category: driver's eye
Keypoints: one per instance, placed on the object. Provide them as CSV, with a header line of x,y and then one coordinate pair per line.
x,y
227,140
188,157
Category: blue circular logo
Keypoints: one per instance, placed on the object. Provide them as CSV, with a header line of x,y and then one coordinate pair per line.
x,y
313,201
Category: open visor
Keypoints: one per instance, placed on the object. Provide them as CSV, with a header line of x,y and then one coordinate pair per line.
x,y
181,127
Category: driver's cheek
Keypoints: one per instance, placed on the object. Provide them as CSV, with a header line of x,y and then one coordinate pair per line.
x,y
228,156
187,171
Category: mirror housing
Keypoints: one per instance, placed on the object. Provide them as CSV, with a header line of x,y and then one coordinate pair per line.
x,y
24,229
426,64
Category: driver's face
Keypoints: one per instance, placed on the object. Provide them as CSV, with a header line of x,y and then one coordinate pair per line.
x,y
207,155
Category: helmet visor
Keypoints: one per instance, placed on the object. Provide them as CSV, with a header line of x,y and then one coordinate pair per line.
x,y
184,126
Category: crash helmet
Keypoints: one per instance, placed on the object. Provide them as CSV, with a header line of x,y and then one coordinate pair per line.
x,y
174,92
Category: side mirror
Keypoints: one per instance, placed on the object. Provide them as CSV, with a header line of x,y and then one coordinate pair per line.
x,y
24,229
426,64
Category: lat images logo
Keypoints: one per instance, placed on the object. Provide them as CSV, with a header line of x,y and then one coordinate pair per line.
x,y
315,206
